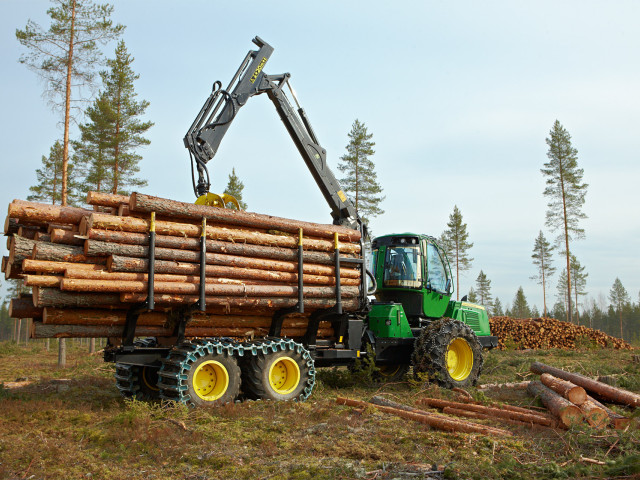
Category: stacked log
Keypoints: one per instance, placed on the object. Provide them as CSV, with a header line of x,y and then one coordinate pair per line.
x,y
87,268
544,333
565,395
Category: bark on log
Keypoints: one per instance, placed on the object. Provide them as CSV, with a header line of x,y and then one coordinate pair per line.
x,y
57,252
43,213
508,385
86,274
213,246
52,281
11,226
79,285
20,248
531,417
233,302
23,308
567,412
42,237
616,395
619,422
117,263
58,235
572,392
28,232
52,297
48,267
107,199
40,330
435,420
139,225
146,203
95,248
595,416
482,416
5,262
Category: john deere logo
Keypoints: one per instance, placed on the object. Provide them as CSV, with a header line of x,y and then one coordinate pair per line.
x,y
258,70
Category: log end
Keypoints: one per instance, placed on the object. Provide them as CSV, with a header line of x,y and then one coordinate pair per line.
x,y
571,416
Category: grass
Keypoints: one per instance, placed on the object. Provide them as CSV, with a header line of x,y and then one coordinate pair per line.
x,y
82,428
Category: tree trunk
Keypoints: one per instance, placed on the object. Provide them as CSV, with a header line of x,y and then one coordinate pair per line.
x,y
575,394
567,412
146,203
617,395
62,347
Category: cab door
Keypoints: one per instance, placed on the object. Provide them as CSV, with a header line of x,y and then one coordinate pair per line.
x,y
437,281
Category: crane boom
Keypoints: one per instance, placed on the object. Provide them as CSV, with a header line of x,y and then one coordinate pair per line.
x,y
207,131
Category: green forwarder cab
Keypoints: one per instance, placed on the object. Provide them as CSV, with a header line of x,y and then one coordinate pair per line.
x,y
413,320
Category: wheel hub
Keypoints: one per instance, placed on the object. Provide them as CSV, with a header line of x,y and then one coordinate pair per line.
x,y
459,359
284,375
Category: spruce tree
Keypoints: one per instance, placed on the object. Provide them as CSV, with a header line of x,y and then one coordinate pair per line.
x,y
49,177
472,296
65,57
619,299
566,194
562,293
520,307
483,290
497,308
92,149
361,181
121,113
456,245
235,188
543,259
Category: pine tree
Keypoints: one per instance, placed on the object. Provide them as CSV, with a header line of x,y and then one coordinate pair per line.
x,y
234,188
562,293
566,194
619,299
472,296
456,245
65,57
497,308
483,289
520,307
361,181
542,259
534,312
92,149
121,113
49,177
579,282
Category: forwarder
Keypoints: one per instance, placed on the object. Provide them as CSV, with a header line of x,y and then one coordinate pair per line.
x,y
405,318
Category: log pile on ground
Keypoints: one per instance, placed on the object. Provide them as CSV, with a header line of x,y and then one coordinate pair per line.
x,y
86,267
565,395
537,333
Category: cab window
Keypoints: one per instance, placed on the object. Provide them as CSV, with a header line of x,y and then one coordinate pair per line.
x,y
436,271
402,267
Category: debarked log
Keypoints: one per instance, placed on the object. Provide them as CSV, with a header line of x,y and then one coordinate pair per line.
x,y
107,199
40,330
140,225
67,237
146,203
94,248
43,213
213,246
50,267
80,285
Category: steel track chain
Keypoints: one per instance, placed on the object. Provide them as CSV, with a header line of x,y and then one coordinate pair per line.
x,y
175,367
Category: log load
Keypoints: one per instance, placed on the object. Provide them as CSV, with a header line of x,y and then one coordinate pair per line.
x,y
545,333
87,267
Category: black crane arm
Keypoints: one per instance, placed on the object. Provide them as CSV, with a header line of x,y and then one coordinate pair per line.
x,y
215,117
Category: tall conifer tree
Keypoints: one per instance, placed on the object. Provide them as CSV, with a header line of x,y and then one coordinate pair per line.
x,y
455,241
566,194
543,259
520,307
361,181
235,188
49,177
483,291
65,57
619,299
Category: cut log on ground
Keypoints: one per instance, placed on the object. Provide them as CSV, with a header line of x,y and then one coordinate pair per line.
x,y
619,422
595,415
568,413
435,420
613,394
529,417
572,392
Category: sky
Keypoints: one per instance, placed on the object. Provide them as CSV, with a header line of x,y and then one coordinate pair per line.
x,y
459,96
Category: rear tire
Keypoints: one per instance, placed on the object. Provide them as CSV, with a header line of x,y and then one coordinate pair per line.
x,y
449,353
283,375
213,380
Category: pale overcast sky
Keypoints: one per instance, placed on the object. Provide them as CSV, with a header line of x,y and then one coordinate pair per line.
x,y
459,96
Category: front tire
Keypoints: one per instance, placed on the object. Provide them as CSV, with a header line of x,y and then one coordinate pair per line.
x,y
449,353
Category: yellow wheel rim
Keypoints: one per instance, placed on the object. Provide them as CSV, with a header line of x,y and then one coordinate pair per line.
x,y
459,359
389,370
210,380
284,375
146,372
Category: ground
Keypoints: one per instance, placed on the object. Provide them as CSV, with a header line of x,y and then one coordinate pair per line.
x,y
80,427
